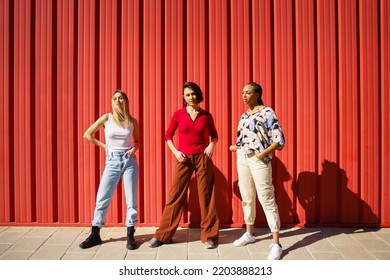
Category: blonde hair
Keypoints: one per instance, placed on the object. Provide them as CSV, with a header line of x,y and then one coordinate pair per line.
x,y
123,115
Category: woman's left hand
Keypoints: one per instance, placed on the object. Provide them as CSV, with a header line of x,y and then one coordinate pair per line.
x,y
130,153
259,155
209,150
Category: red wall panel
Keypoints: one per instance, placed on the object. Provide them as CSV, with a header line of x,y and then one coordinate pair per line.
x,y
384,34
285,108
174,77
6,140
348,110
23,112
306,188
240,64
323,66
153,109
66,114
262,48
327,113
369,111
44,118
87,105
219,104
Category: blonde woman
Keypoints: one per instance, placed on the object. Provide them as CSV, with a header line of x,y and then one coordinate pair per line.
x,y
121,134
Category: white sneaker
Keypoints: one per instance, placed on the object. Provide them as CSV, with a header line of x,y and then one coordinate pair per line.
x,y
245,239
276,252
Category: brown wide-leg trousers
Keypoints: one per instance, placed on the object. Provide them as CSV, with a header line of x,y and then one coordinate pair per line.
x,y
203,167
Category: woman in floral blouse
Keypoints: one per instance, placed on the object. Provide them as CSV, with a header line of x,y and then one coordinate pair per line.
x,y
259,134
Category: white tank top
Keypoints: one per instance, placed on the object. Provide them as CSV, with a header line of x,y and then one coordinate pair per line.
x,y
117,138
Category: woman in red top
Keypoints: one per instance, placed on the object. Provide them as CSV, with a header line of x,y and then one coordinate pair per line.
x,y
193,154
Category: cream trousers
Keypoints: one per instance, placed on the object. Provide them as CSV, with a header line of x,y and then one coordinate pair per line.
x,y
255,176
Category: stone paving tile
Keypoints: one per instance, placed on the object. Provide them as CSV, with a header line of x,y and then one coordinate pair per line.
x,y
381,255
19,255
341,238
4,247
72,229
303,232
318,245
115,240
298,244
140,256
259,246
383,230
385,236
78,256
327,256
172,252
50,252
110,253
20,229
62,238
42,232
298,254
259,256
201,256
230,252
354,252
27,244
10,237
363,234
374,245
3,228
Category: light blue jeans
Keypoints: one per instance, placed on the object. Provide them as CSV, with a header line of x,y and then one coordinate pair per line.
x,y
117,166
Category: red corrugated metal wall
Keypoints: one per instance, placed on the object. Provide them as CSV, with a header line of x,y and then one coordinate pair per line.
x,y
324,67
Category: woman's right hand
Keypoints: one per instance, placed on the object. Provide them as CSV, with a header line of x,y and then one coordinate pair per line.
x,y
180,156
233,148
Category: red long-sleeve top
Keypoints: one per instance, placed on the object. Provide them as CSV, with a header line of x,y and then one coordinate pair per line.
x,y
193,135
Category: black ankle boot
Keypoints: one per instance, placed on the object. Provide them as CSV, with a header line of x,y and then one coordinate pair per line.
x,y
92,240
131,245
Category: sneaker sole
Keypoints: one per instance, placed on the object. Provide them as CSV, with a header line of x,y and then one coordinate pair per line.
x,y
239,245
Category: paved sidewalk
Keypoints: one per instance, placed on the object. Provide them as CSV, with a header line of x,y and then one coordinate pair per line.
x,y
61,243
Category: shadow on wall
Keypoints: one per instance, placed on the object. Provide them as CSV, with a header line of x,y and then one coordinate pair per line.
x,y
281,177
326,199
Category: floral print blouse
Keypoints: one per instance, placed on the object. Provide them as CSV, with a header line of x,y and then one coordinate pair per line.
x,y
259,130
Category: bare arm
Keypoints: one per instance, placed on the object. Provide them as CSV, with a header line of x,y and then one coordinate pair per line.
x,y
132,151
88,134
209,151
179,155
